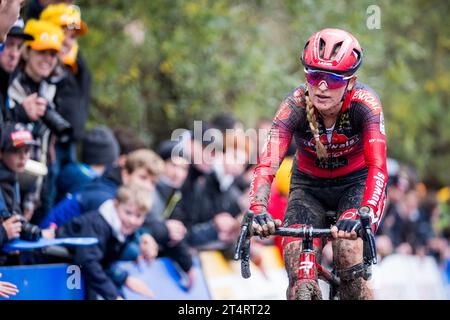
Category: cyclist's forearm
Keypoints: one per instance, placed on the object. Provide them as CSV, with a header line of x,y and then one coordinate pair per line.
x,y
375,156
286,121
270,160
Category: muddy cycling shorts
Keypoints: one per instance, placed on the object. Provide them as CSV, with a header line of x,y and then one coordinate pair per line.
x,y
310,198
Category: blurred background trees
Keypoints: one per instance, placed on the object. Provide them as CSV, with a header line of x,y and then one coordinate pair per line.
x,y
158,65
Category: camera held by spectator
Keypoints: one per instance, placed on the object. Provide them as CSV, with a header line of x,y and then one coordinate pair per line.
x,y
55,122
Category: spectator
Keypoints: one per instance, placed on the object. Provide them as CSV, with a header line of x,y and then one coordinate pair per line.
x,y
10,57
13,161
99,151
201,158
7,289
168,192
115,224
142,167
412,225
128,141
31,100
15,151
35,7
209,208
73,79
73,84
16,148
398,185
30,92
226,121
9,13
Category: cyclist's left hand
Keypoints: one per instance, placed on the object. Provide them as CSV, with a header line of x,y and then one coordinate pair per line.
x,y
346,229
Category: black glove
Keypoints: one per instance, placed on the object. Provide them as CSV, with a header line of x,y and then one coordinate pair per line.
x,y
262,219
349,225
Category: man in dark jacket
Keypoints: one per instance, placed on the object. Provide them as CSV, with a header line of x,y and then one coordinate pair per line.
x,y
208,209
9,59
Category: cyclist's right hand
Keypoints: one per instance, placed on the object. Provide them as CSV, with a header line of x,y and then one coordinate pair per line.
x,y
264,225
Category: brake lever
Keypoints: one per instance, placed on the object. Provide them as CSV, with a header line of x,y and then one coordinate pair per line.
x,y
370,251
242,250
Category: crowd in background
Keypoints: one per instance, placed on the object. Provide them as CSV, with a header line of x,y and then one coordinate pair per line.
x,y
58,179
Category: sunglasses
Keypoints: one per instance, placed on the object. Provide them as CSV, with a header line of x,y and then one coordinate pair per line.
x,y
333,80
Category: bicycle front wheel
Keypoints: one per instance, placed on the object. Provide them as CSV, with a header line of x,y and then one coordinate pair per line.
x,y
308,290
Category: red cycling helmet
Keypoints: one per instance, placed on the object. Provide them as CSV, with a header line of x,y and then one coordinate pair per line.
x,y
333,50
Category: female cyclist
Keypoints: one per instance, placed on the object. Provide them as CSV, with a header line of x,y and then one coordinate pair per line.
x,y
340,162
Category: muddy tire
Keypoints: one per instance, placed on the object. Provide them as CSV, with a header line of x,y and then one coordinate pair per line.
x,y
309,290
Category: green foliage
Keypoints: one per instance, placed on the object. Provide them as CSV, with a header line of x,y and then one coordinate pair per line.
x,y
200,57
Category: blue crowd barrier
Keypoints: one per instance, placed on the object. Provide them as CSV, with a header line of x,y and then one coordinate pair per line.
x,y
65,282
45,282
166,281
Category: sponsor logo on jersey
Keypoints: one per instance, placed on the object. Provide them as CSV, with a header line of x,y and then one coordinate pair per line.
x,y
338,141
382,129
367,98
379,188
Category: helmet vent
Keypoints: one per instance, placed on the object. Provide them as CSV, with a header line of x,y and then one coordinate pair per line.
x,y
321,48
336,48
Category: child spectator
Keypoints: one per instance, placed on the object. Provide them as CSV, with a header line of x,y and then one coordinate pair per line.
x,y
114,224
142,166
15,152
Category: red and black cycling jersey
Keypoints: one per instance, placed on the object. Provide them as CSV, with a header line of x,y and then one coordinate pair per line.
x,y
357,141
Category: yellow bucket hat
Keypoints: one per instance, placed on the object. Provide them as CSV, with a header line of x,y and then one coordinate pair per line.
x,y
46,35
65,15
